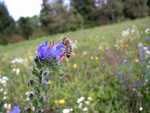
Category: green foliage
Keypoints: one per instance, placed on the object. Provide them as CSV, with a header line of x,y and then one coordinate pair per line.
x,y
7,25
135,8
53,17
24,27
109,12
88,10
42,71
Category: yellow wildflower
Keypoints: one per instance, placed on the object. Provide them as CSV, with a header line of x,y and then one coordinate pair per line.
x,y
74,66
85,52
91,58
121,45
56,101
136,60
101,48
62,101
96,58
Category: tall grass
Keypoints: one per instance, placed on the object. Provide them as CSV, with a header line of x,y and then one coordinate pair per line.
x,y
97,69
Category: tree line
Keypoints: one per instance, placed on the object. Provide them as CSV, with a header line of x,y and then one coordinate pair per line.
x,y
55,17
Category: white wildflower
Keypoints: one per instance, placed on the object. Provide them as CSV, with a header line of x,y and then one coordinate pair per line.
x,y
141,108
147,52
1,89
4,98
147,30
87,102
66,110
148,66
125,32
17,71
5,93
19,60
146,80
80,99
8,106
71,109
14,69
5,105
27,99
33,108
90,98
145,48
85,109
3,82
4,78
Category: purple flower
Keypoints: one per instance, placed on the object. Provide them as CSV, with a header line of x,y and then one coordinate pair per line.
x,y
138,84
148,38
53,51
147,72
16,109
129,69
124,62
140,45
56,51
141,56
139,62
43,50
118,74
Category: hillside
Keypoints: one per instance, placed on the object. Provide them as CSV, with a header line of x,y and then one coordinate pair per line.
x,y
108,71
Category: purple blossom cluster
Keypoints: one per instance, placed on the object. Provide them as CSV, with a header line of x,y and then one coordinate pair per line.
x,y
53,51
16,109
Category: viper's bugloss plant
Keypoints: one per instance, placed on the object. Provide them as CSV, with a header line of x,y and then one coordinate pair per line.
x,y
47,64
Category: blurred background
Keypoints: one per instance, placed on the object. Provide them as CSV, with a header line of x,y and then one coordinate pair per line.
x,y
25,20
109,68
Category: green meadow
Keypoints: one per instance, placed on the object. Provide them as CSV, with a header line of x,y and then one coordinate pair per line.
x,y
109,71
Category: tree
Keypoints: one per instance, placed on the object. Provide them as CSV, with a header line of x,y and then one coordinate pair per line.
x,y
7,25
148,4
74,20
110,11
88,10
56,18
135,8
25,27
52,16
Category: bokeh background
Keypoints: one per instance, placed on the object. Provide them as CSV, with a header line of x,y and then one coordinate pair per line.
x,y
109,71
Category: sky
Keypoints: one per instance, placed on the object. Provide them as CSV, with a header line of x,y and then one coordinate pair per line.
x,y
18,8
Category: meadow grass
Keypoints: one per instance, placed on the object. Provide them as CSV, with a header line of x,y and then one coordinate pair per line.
x,y
91,72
